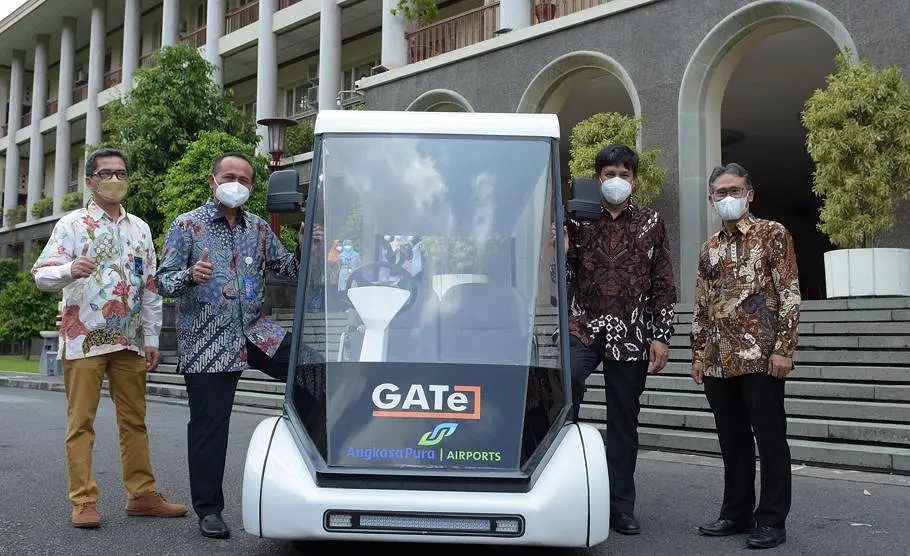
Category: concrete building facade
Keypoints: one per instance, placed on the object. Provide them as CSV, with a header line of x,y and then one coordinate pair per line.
x,y
713,81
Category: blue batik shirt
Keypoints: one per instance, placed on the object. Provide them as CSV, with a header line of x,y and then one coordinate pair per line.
x,y
215,319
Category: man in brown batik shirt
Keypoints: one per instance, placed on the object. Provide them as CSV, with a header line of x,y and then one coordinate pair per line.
x,y
744,333
621,293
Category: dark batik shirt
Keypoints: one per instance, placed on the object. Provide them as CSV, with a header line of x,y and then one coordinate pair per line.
x,y
621,283
746,299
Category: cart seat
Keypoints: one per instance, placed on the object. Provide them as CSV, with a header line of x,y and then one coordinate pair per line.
x,y
414,332
484,323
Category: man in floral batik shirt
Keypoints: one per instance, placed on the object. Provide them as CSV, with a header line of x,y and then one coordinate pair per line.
x,y
104,261
214,262
621,296
744,333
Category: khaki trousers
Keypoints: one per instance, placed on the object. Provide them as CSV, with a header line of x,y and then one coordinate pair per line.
x,y
126,377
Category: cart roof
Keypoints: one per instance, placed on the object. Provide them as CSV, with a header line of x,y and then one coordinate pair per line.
x,y
442,123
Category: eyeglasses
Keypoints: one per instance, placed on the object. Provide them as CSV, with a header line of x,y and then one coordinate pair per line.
x,y
735,192
108,174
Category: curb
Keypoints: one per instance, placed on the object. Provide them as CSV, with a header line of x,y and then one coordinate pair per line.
x,y
155,393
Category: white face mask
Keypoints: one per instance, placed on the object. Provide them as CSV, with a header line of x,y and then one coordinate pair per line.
x,y
616,190
348,248
731,208
387,238
232,194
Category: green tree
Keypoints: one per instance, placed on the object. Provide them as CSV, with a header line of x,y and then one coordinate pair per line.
x,y
592,134
186,183
169,106
299,139
9,268
859,137
25,310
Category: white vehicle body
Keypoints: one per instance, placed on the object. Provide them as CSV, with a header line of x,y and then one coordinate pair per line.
x,y
503,463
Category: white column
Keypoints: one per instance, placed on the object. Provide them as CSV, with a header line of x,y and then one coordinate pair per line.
x,y
214,29
16,82
267,66
131,32
394,45
329,54
170,22
514,14
36,142
95,76
62,150
4,95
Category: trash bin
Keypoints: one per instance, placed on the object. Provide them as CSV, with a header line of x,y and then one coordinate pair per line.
x,y
51,364
48,365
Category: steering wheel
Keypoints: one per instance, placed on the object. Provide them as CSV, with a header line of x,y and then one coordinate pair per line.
x,y
368,275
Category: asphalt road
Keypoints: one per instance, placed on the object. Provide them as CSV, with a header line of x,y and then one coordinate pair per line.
x,y
834,512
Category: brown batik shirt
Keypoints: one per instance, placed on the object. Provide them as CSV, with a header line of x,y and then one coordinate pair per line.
x,y
746,299
620,281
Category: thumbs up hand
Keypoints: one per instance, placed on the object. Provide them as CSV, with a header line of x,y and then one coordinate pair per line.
x,y
202,270
84,265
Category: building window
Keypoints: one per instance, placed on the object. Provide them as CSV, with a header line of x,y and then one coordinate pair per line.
x,y
300,100
351,74
201,14
74,177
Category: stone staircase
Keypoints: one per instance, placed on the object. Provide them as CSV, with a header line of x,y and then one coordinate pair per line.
x,y
848,399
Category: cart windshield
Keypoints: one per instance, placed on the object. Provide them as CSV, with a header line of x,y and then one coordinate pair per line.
x,y
425,298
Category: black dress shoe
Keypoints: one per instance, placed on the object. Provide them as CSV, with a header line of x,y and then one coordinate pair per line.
x,y
625,524
724,527
213,527
766,536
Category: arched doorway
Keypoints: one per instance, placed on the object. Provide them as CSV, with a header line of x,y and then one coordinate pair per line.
x,y
576,86
735,81
760,117
440,100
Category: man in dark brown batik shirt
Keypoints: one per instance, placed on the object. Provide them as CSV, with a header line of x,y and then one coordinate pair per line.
x,y
745,327
621,293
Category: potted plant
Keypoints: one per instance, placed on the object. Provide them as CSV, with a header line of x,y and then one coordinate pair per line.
x,y
421,12
592,134
71,201
43,207
859,138
544,10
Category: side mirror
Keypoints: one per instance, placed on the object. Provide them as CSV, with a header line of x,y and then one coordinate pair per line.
x,y
284,194
584,199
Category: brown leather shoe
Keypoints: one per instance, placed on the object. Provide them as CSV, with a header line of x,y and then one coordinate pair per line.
x,y
85,516
153,504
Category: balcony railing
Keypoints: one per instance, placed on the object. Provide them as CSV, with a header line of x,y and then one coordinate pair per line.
x,y
196,38
545,10
112,78
147,61
80,92
240,18
50,107
282,4
456,32
26,119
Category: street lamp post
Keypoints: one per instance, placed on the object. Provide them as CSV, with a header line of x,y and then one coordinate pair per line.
x,y
277,130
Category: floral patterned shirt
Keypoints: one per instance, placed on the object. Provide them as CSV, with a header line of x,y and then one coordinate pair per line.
x,y
215,319
118,306
621,283
746,299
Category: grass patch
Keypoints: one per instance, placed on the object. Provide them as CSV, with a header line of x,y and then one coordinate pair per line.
x,y
16,364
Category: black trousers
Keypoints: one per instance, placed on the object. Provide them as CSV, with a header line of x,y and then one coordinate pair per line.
x,y
211,397
625,381
742,406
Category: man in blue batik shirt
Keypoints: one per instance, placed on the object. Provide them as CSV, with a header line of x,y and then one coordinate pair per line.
x,y
214,262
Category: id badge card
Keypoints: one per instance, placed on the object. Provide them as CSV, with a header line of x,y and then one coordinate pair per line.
x,y
137,265
248,287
